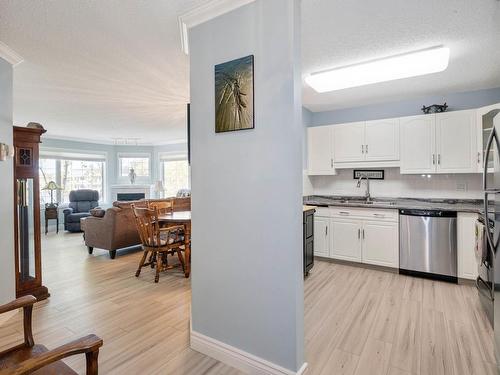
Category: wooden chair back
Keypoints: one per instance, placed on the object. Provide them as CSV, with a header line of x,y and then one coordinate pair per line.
x,y
163,207
182,204
148,226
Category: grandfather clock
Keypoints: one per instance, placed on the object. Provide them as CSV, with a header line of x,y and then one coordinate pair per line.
x,y
27,213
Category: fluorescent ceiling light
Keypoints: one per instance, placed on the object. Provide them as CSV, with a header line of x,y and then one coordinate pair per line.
x,y
411,64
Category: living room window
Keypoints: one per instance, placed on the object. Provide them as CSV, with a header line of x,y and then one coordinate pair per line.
x,y
71,172
174,171
81,174
140,163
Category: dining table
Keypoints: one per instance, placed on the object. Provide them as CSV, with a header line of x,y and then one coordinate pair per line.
x,y
181,218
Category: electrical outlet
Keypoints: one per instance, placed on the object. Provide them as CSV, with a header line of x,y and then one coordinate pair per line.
x,y
461,186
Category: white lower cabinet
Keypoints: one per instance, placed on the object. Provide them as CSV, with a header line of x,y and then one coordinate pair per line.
x,y
361,235
466,231
321,236
345,239
380,243
372,237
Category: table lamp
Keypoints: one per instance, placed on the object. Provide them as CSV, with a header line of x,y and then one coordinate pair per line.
x,y
159,188
52,186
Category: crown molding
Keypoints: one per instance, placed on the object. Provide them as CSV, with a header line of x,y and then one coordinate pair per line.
x,y
110,142
204,13
9,55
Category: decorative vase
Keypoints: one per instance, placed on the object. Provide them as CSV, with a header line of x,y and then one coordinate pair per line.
x,y
132,175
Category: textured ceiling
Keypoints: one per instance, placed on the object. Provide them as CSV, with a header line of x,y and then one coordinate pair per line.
x,y
99,70
339,32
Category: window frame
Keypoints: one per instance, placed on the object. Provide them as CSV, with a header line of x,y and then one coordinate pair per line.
x,y
140,179
172,156
59,154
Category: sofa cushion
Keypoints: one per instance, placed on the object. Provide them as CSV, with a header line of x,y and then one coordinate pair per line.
x,y
97,212
75,218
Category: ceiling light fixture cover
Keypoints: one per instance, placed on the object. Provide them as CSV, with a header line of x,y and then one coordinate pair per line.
x,y
427,61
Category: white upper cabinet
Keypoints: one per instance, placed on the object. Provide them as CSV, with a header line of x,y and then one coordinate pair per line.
x,y
371,141
449,142
417,144
456,142
319,151
382,140
440,143
484,124
348,142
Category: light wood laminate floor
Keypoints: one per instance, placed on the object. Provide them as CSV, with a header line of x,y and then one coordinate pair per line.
x,y
357,321
145,326
361,321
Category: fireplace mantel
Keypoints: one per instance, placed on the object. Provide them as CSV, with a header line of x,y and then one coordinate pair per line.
x,y
130,189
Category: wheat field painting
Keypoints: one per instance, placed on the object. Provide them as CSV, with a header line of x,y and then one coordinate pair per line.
x,y
234,95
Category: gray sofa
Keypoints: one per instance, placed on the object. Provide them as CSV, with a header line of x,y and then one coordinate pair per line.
x,y
81,202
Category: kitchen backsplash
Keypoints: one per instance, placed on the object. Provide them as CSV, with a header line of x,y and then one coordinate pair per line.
x,y
464,186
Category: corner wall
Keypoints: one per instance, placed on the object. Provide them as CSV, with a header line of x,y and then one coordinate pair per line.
x,y
7,276
247,282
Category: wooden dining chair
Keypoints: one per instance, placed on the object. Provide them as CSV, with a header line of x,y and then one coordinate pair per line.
x,y
163,206
28,358
157,241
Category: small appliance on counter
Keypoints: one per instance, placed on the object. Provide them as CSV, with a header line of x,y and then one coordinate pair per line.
x,y
428,244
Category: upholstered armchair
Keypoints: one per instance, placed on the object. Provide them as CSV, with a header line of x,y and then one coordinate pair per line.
x,y
81,202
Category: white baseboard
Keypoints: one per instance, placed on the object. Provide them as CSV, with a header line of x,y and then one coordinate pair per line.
x,y
6,316
246,362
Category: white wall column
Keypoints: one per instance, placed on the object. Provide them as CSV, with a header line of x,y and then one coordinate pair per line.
x,y
247,282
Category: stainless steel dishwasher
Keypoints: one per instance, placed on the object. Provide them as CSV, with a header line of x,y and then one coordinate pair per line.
x,y
428,244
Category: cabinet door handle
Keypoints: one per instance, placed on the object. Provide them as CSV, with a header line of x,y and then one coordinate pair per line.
x,y
363,233
359,233
344,213
331,162
478,158
433,159
379,215
366,149
362,149
439,158
326,231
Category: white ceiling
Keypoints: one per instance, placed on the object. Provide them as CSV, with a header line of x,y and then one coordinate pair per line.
x,y
98,70
338,32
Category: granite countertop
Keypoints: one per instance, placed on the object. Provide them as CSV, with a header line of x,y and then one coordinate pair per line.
x,y
459,205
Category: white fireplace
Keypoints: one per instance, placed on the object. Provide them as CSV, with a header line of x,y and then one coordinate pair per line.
x,y
130,192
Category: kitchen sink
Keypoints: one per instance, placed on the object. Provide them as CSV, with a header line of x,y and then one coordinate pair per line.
x,y
363,201
381,203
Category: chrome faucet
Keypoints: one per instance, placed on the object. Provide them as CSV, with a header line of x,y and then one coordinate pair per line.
x,y
367,193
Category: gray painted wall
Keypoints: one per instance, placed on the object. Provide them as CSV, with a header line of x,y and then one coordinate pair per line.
x,y
7,277
456,101
247,284
307,118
